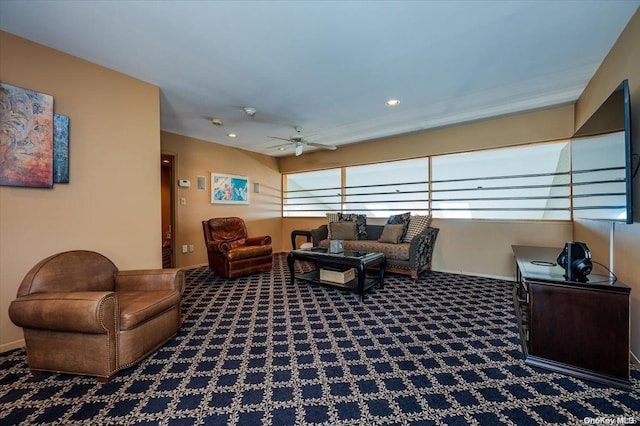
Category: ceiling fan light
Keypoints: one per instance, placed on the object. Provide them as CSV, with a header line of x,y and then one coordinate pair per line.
x,y
250,111
216,122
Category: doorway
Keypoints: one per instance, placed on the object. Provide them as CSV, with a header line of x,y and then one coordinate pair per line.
x,y
167,196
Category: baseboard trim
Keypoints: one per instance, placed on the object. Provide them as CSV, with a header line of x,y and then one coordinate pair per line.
x,y
473,274
11,346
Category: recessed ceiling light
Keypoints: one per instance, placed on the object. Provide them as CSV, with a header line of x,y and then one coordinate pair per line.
x,y
282,148
216,122
232,135
393,102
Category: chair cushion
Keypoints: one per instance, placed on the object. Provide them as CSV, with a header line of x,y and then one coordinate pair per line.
x,y
391,251
246,252
70,271
137,307
227,228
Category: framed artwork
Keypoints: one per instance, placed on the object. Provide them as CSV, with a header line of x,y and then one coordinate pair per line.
x,y
26,137
229,189
60,148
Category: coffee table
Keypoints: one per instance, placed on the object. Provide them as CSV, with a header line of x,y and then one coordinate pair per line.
x,y
359,260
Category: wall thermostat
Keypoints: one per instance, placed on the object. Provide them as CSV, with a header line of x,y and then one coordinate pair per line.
x,y
184,183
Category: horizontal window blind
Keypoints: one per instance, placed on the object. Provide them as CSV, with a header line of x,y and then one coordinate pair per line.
x,y
531,182
528,182
384,189
312,193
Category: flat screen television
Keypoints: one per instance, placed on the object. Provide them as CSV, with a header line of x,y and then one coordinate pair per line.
x,y
601,162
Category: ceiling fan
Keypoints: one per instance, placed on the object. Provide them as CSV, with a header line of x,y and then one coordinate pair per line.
x,y
300,142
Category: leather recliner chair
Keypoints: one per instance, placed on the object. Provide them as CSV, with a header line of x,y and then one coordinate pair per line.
x,y
81,315
231,252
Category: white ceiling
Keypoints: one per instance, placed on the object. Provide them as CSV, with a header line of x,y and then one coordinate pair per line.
x,y
329,66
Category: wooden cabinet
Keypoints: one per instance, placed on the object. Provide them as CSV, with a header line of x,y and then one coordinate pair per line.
x,y
580,329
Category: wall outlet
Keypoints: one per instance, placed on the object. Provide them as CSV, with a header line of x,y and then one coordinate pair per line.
x,y
185,248
190,248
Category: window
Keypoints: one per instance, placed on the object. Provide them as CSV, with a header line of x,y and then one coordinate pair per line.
x,y
380,190
312,193
531,182
528,182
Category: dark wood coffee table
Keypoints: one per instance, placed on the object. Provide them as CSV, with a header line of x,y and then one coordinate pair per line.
x,y
359,260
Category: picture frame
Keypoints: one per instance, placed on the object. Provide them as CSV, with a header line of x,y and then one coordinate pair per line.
x,y
60,148
26,137
229,189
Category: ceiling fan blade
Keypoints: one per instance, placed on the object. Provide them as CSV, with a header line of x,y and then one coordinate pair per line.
x,y
319,145
277,146
282,139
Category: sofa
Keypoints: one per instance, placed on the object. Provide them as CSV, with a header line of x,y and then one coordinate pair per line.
x,y
408,256
81,315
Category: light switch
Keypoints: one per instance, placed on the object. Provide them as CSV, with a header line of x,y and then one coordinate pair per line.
x,y
185,248
183,201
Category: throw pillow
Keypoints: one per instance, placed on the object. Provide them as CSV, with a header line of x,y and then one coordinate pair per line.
x,y
343,230
392,233
359,219
331,217
400,219
417,225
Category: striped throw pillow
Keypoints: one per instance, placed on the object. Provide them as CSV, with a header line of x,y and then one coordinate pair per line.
x,y
417,225
331,217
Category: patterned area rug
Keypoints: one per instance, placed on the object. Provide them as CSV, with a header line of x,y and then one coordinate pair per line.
x,y
259,351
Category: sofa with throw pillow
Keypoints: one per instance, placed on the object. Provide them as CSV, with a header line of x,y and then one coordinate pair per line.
x,y
407,241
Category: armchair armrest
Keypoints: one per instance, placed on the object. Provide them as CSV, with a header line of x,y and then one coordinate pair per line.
x,y
150,280
218,246
83,312
319,234
421,249
258,241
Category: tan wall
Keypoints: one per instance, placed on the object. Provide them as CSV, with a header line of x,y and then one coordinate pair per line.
x,y
544,125
474,247
622,62
112,203
194,157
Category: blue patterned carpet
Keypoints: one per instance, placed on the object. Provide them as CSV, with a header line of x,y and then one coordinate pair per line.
x,y
258,351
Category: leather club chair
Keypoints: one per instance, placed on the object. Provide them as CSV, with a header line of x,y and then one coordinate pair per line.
x,y
231,252
81,315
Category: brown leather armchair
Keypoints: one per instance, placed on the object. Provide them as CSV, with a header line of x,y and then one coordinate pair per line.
x,y
231,252
81,315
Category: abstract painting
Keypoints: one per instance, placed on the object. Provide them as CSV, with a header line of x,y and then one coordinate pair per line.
x,y
60,148
229,189
26,137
